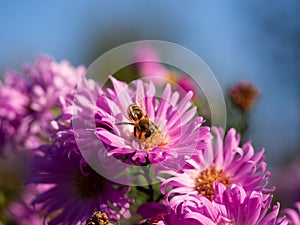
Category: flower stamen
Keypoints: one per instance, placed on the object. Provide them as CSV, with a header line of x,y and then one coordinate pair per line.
x,y
155,140
205,181
98,218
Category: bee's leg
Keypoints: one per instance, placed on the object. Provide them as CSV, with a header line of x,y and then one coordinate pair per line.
x,y
134,131
140,134
154,125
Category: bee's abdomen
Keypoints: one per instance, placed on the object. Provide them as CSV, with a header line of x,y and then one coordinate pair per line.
x,y
134,112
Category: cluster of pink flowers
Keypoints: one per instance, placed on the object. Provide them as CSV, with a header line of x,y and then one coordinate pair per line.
x,y
29,100
207,176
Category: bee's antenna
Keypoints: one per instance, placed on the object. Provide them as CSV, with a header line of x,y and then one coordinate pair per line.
x,y
124,123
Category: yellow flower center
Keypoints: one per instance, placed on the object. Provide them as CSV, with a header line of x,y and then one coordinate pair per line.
x,y
155,140
98,218
205,181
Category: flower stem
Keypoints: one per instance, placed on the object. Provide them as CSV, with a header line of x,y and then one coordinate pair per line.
x,y
150,190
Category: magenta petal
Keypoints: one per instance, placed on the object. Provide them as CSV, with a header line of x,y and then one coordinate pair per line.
x,y
120,151
110,138
151,209
140,156
156,155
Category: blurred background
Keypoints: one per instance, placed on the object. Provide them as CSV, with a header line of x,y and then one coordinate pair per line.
x,y
240,41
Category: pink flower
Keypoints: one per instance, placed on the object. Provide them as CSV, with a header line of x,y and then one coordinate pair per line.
x,y
29,101
176,132
22,212
223,161
232,206
152,212
293,215
75,189
149,66
148,63
186,84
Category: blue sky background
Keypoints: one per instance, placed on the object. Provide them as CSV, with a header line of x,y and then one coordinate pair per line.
x,y
253,40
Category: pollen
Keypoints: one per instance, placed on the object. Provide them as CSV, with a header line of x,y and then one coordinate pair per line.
x,y
205,181
155,140
98,218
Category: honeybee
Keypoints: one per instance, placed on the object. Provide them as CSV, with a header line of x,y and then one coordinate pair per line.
x,y
144,128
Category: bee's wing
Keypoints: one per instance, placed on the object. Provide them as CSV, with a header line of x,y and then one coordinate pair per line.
x,y
141,102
